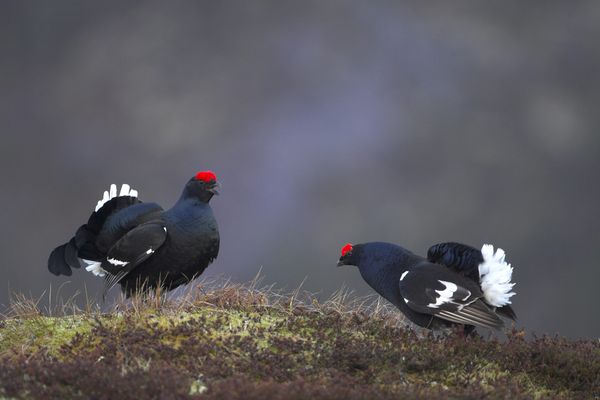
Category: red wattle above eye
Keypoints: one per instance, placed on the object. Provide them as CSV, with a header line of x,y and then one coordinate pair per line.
x,y
346,249
206,176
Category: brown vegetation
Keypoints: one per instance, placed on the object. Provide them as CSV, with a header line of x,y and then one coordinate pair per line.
x,y
240,342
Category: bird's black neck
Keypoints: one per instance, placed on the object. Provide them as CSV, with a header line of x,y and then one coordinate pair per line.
x,y
195,197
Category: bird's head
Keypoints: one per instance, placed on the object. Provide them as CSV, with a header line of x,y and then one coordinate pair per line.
x,y
348,256
203,186
374,255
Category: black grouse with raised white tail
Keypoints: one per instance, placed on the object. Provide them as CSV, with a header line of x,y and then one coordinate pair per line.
x,y
455,284
139,245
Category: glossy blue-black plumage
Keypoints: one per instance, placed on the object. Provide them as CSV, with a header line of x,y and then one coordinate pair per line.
x,y
431,294
139,245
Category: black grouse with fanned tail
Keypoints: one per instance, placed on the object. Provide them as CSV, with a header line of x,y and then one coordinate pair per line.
x,y
455,284
141,246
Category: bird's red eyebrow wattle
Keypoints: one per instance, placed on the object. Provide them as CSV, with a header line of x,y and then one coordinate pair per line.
x,y
206,176
347,248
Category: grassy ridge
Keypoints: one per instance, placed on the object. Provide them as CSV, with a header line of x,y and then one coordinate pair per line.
x,y
239,342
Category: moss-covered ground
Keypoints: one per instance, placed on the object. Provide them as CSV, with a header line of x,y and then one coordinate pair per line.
x,y
237,342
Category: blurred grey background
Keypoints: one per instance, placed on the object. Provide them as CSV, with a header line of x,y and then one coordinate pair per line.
x,y
326,122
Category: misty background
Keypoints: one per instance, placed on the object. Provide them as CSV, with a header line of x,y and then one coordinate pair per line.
x,y
325,122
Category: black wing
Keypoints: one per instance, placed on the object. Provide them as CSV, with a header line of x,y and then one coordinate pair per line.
x,y
434,289
465,260
132,249
122,221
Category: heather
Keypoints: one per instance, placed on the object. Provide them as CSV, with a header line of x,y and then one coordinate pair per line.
x,y
230,341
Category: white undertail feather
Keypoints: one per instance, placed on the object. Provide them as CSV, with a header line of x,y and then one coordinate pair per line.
x,y
111,193
494,276
94,267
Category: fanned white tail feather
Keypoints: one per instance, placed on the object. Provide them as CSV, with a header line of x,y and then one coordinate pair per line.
x,y
111,193
494,276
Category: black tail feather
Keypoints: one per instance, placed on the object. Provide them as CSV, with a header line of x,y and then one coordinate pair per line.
x,y
89,252
71,254
63,259
459,257
56,262
97,219
83,236
507,312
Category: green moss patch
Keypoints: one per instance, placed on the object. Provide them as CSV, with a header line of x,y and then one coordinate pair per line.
x,y
31,335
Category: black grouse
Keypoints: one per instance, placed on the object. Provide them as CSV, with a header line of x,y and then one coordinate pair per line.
x,y
139,245
455,284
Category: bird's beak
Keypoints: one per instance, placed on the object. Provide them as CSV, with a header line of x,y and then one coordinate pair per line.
x,y
340,263
215,188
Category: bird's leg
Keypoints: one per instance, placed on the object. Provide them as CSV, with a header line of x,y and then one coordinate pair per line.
x,y
468,330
